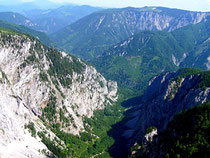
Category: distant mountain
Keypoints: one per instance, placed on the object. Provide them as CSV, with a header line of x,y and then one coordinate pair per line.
x,y
134,61
52,20
195,40
91,35
17,18
38,35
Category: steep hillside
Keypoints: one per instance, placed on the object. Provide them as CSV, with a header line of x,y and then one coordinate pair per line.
x,y
39,35
167,95
45,96
93,34
195,40
134,61
185,136
52,20
17,18
147,53
48,20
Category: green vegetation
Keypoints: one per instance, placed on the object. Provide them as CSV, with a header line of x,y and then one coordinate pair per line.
x,y
191,133
194,40
134,61
31,128
49,112
97,139
203,75
43,76
62,68
187,135
38,35
4,77
58,18
150,129
87,38
55,148
101,84
94,34
140,62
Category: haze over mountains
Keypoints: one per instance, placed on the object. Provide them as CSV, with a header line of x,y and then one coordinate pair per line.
x,y
124,92
19,6
93,34
47,20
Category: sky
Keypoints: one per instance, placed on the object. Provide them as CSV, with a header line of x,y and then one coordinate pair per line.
x,y
194,5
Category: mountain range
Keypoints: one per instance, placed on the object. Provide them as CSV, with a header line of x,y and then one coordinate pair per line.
x,y
20,28
128,95
52,20
93,34
147,53
48,20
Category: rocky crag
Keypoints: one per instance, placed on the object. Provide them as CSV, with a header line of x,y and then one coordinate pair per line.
x,y
167,95
42,87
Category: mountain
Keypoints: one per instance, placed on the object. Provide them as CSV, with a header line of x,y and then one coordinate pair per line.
x,y
39,35
45,95
167,95
185,136
195,40
48,20
52,20
93,34
17,19
135,60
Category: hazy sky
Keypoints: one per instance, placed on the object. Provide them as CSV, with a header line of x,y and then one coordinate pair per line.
x,y
195,5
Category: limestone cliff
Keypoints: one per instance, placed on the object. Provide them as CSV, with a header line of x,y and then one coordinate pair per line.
x,y
167,95
44,86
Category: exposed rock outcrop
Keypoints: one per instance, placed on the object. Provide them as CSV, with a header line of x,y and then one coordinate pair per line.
x,y
167,95
41,82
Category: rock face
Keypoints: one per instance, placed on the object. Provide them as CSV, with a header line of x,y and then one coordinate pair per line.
x,y
167,95
149,136
105,28
40,82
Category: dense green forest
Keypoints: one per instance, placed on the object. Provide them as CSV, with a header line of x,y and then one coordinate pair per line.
x,y
19,28
203,75
187,135
134,61
100,133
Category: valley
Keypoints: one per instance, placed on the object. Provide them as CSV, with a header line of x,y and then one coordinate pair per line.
x,y
84,81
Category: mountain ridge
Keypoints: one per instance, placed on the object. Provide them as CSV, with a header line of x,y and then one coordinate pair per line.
x,y
20,28
48,93
167,95
147,53
97,32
